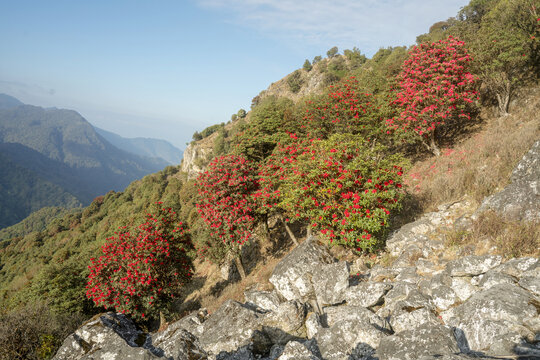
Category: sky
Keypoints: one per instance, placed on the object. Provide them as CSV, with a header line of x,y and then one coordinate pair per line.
x,y
165,68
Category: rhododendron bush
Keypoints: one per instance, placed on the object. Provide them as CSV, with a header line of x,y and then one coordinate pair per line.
x,y
344,188
224,200
436,92
344,109
142,269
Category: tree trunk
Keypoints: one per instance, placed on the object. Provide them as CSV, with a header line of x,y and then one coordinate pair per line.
x,y
239,266
309,232
503,100
266,228
291,235
434,148
162,322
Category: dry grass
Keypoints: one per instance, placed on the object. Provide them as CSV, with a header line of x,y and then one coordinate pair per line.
x,y
508,238
481,164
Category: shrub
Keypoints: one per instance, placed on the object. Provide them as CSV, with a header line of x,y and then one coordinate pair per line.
x,y
295,81
143,269
224,201
435,92
343,186
343,109
33,332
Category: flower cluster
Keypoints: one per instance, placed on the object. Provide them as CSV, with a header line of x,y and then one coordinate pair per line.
x,y
344,109
435,89
141,270
224,199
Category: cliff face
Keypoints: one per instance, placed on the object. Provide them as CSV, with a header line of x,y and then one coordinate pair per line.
x,y
195,157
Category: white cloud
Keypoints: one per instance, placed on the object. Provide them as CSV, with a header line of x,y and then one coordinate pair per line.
x,y
369,24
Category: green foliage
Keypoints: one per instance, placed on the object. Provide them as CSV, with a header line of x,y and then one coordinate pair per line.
x,y
344,186
143,268
268,124
36,221
295,81
316,59
197,136
355,58
38,265
504,37
332,52
241,113
34,332
307,66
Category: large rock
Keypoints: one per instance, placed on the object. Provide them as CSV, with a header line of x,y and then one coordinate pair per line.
x,y
292,275
472,265
115,337
231,327
503,314
285,323
521,199
266,300
426,340
352,331
366,294
330,282
295,350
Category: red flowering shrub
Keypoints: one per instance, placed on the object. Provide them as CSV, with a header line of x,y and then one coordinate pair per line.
x,y
346,189
435,91
344,109
141,270
224,200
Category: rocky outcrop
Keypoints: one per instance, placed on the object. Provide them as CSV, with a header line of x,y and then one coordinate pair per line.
x,y
194,156
521,199
115,337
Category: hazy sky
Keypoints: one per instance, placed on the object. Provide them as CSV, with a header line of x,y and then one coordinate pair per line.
x,y
163,68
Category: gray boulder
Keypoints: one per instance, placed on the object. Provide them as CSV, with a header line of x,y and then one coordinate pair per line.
x,y
330,282
113,336
504,313
292,275
285,323
266,300
531,283
521,199
472,265
231,327
366,294
427,340
516,267
295,350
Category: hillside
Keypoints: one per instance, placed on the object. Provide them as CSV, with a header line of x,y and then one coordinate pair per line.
x,y
403,191
147,147
65,161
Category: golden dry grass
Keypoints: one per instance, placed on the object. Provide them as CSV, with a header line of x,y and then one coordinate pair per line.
x,y
481,164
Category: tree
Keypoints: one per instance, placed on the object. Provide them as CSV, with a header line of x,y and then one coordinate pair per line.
x,y
242,113
295,81
504,36
332,52
316,59
197,136
225,204
270,120
435,93
234,117
142,269
343,109
345,187
307,66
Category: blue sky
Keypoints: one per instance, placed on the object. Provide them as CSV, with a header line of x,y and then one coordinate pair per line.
x,y
166,68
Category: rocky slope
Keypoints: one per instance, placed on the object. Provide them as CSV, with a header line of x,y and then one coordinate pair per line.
x,y
428,303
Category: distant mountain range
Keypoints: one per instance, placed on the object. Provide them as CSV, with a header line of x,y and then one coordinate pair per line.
x,y
155,148
54,157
